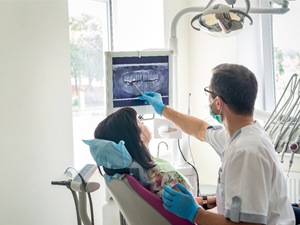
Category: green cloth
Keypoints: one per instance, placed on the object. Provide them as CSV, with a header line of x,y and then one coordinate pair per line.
x,y
164,166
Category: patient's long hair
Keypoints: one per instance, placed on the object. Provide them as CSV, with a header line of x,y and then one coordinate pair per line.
x,y
122,125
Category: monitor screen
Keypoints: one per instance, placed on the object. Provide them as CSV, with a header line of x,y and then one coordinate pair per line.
x,y
128,74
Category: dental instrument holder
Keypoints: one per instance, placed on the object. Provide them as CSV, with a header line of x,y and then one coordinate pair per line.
x,y
81,186
283,125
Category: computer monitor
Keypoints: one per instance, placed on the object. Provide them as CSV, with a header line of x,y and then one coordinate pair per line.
x,y
132,72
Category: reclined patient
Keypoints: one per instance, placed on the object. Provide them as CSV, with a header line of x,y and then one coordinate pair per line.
x,y
121,133
121,146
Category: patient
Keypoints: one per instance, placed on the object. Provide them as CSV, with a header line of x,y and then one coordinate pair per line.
x,y
123,125
154,173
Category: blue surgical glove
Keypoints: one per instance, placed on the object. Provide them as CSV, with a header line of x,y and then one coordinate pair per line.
x,y
182,203
155,100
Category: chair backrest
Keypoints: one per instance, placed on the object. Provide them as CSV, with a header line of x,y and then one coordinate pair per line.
x,y
140,206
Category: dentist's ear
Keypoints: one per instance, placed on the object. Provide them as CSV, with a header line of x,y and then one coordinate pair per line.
x,y
218,103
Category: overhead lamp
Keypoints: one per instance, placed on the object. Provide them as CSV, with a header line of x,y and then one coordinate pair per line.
x,y
220,20
173,34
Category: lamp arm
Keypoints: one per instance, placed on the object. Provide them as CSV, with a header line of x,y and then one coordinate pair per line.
x,y
173,37
247,6
179,15
210,3
280,2
282,10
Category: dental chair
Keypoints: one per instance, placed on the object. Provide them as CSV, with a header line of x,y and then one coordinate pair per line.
x,y
138,205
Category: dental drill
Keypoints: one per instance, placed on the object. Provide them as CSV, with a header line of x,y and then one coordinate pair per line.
x,y
294,147
286,143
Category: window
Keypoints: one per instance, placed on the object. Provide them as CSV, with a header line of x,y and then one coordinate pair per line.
x,y
89,38
286,47
136,25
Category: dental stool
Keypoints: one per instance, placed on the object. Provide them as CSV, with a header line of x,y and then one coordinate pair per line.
x,y
138,205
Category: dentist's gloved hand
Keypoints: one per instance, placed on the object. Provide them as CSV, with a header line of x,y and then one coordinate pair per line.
x,y
155,100
182,203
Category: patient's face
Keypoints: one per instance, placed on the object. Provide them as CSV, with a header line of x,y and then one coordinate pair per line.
x,y
145,133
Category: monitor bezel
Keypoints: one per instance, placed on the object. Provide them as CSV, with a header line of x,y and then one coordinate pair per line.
x,y
143,109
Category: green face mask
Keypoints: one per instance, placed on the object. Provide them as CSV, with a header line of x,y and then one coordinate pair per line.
x,y
216,117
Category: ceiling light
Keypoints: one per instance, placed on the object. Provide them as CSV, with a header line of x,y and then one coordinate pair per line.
x,y
220,20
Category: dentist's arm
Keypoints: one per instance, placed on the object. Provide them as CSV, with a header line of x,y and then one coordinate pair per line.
x,y
183,205
188,124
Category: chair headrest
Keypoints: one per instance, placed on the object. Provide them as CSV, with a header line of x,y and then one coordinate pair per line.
x,y
116,160
109,154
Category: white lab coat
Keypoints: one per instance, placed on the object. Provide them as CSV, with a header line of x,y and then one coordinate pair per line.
x,y
251,185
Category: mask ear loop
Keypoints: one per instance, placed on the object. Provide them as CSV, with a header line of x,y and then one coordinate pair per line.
x,y
221,108
212,102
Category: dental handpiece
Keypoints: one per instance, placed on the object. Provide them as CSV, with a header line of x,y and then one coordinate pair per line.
x,y
284,151
296,126
294,148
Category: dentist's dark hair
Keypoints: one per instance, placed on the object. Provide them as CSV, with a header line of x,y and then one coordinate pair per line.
x,y
122,125
237,85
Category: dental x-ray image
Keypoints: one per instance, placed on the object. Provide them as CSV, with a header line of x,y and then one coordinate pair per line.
x,y
133,75
129,74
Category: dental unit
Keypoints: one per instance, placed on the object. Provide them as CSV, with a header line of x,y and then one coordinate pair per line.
x,y
283,125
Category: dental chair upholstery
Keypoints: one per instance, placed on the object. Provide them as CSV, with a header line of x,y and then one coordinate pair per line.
x,y
138,205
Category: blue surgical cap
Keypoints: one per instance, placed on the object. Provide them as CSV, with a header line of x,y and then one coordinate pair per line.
x,y
109,154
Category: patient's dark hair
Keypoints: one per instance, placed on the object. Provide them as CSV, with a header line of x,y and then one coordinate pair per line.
x,y
122,125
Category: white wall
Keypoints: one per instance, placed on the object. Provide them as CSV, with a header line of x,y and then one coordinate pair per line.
x,y
36,118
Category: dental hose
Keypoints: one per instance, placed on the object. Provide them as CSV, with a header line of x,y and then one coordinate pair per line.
x,y
91,208
198,188
76,206
67,184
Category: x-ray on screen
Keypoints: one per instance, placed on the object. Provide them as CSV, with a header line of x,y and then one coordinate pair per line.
x,y
129,73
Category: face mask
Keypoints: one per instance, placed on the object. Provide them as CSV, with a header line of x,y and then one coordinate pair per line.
x,y
216,117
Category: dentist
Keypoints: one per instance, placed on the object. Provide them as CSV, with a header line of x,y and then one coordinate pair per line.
x,y
251,186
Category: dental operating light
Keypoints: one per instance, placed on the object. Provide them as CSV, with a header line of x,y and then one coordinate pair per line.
x,y
228,21
220,20
241,15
